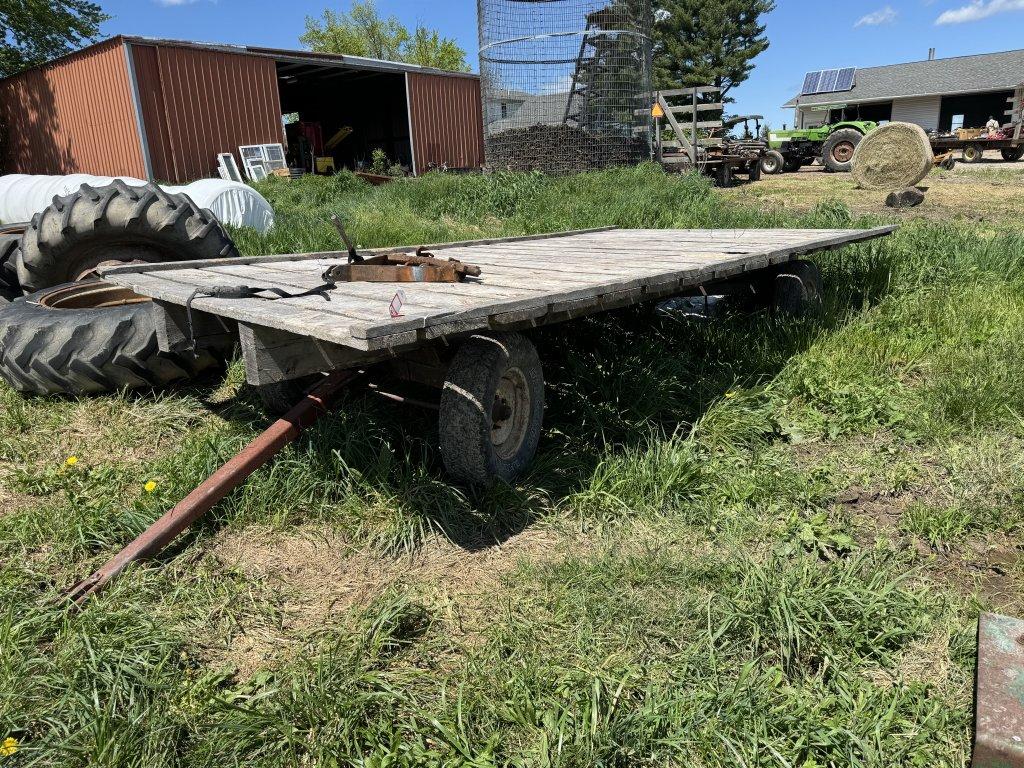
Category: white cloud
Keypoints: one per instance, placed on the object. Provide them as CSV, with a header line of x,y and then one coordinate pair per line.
x,y
979,9
885,15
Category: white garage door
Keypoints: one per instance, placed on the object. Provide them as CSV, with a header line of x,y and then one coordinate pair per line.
x,y
922,111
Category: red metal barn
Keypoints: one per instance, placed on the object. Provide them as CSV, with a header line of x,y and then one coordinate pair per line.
x,y
163,109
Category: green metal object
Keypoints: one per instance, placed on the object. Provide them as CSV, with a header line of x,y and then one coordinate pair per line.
x,y
804,146
999,693
778,139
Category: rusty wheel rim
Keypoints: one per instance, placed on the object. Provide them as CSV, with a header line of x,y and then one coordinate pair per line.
x,y
510,415
90,295
843,151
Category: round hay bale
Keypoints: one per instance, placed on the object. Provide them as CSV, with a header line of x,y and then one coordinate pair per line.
x,y
895,156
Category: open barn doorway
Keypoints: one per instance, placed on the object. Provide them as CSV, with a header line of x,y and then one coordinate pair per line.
x,y
973,110
338,116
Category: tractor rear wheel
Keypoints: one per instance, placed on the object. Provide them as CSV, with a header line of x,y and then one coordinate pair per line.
x,y
839,148
772,162
1012,155
99,226
10,244
88,338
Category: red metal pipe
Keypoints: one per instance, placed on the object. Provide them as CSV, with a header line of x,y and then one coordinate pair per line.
x,y
235,472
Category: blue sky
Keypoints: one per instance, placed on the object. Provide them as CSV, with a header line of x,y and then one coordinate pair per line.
x,y
805,34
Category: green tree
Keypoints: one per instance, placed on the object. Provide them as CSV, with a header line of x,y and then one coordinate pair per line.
x,y
362,32
35,31
708,42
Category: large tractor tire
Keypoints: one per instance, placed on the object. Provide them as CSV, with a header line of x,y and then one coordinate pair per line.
x,y
10,244
1012,155
87,338
100,226
772,162
837,153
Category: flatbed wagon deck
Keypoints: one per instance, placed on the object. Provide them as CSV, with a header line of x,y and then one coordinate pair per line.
x,y
524,282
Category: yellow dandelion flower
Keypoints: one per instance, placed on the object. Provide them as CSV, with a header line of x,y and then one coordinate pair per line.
x,y
730,394
9,747
71,461
150,486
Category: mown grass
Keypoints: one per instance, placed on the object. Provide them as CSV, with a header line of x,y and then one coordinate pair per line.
x,y
752,541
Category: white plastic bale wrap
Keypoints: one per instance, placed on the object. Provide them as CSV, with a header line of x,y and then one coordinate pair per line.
x,y
235,204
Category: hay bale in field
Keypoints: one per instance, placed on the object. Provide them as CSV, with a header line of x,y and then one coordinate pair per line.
x,y
895,156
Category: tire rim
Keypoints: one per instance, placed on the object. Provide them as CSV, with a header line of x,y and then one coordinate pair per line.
x,y
93,295
769,165
843,151
510,414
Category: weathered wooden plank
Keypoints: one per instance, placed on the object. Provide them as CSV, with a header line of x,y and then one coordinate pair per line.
x,y
533,281
339,255
271,355
174,335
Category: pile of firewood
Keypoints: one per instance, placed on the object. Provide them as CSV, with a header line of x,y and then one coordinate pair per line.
x,y
562,149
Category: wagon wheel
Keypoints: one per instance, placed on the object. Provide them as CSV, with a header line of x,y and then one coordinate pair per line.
x,y
798,289
772,162
973,153
492,408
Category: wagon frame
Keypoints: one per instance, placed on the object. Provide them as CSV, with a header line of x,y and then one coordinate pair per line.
x,y
440,331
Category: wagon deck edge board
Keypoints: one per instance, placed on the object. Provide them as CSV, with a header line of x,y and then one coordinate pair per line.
x,y
588,271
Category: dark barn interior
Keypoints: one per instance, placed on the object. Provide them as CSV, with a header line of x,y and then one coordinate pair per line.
x,y
976,109
878,112
329,99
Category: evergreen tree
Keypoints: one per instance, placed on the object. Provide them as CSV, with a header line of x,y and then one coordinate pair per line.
x,y
708,42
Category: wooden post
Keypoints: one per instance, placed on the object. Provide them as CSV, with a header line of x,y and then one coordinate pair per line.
x,y
658,153
694,141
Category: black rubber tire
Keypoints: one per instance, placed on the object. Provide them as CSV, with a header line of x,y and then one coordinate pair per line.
x,y
798,290
772,162
85,351
972,153
791,165
116,223
1013,154
10,244
843,137
467,425
754,171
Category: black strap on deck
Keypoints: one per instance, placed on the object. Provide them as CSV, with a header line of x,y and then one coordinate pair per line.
x,y
246,292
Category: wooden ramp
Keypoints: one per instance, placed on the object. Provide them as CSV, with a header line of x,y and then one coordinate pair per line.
x,y
537,280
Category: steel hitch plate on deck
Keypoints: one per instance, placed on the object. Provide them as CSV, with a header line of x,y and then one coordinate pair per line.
x,y
423,267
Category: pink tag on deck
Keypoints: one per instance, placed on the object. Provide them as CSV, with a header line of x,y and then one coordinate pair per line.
x,y
396,305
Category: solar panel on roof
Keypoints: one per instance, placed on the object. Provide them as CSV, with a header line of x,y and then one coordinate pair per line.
x,y
846,78
829,78
828,81
811,83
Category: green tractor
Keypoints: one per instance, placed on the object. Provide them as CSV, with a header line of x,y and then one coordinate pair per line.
x,y
833,144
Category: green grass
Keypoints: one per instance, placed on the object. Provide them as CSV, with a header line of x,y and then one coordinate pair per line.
x,y
755,541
